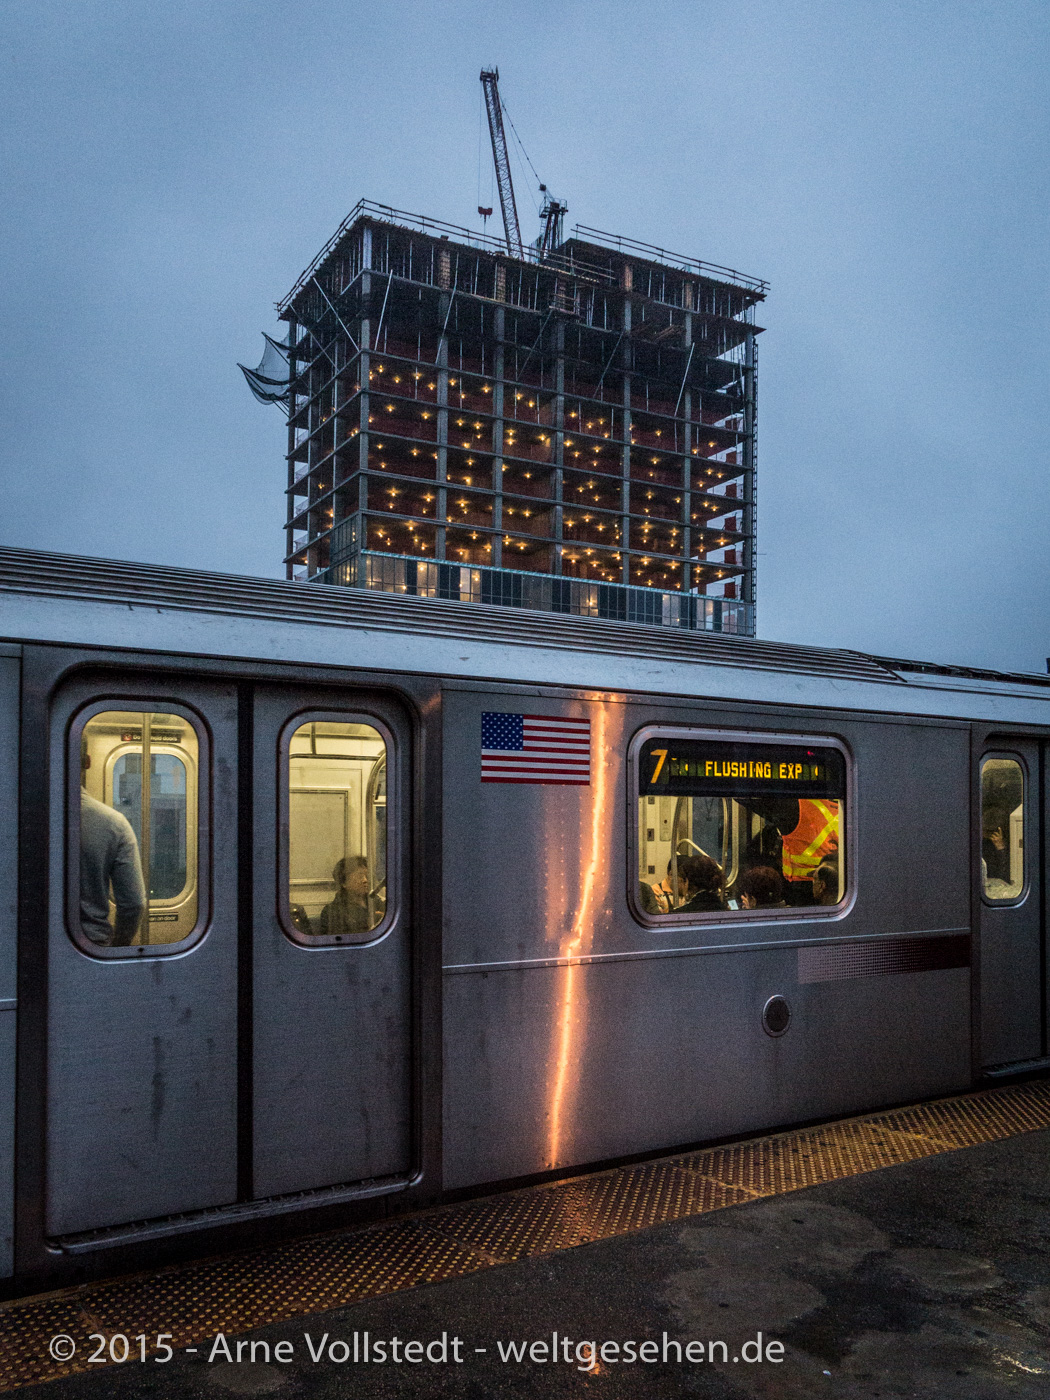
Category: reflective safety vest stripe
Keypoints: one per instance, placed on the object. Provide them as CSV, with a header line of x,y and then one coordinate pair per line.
x,y
814,838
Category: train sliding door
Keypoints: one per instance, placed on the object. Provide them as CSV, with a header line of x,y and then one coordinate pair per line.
x,y
224,1023
1010,884
331,997
142,952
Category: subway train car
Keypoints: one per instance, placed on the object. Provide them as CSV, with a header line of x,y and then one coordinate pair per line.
x,y
321,904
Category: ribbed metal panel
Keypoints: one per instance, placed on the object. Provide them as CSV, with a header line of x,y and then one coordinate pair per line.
x,y
923,669
114,581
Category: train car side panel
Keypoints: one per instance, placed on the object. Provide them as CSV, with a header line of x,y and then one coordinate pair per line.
x,y
562,1066
573,1031
10,669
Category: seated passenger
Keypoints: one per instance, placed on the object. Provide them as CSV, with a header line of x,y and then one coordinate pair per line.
x,y
761,887
659,899
348,915
301,919
699,885
651,898
826,884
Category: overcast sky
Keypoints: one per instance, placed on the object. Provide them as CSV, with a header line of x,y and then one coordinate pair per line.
x,y
170,168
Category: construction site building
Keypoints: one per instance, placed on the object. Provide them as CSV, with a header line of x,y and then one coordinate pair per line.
x,y
571,430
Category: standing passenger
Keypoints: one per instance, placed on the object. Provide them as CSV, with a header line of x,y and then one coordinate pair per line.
x,y
109,860
814,840
995,847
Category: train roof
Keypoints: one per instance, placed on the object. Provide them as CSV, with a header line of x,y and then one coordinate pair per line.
x,y
76,600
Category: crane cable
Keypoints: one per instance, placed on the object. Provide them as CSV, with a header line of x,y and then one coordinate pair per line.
x,y
524,152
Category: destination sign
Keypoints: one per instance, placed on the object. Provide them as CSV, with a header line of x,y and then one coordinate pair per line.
x,y
710,768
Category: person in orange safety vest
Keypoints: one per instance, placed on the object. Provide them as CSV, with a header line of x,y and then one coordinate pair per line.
x,y
814,840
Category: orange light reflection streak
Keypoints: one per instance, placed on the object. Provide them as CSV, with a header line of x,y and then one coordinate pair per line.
x,y
578,943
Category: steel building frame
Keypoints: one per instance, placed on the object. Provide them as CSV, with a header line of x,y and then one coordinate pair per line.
x,y
572,431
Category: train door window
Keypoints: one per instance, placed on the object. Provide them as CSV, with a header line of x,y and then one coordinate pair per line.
x,y
730,825
336,857
1002,830
138,830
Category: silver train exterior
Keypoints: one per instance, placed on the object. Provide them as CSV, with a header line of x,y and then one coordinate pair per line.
x,y
516,1011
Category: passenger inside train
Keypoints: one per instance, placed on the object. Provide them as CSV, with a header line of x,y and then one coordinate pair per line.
x,y
826,883
761,887
350,913
699,885
659,898
693,884
995,850
110,875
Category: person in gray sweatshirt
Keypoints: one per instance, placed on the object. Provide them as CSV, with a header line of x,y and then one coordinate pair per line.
x,y
109,861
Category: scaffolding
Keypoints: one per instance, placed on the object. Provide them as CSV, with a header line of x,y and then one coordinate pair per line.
x,y
570,429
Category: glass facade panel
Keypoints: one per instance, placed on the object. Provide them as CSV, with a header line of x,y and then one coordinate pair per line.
x,y
728,826
138,828
337,831
1002,829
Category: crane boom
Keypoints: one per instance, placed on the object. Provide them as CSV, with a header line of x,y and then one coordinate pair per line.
x,y
501,157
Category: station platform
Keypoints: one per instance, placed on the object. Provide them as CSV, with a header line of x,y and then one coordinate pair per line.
x,y
903,1253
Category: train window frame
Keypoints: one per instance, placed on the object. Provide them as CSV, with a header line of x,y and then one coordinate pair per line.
x,y
791,914
1026,790
319,941
138,704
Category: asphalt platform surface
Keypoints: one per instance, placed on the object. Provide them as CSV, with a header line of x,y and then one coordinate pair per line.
x,y
928,1280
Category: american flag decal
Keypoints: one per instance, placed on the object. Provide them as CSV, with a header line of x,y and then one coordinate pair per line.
x,y
535,749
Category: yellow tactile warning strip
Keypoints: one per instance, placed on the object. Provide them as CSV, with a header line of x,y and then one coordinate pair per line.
x,y
191,1303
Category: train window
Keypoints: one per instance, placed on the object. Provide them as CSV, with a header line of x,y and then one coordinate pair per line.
x,y
337,832
1002,830
726,826
138,828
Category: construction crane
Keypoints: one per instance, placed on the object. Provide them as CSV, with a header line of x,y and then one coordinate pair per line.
x,y
553,216
501,156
